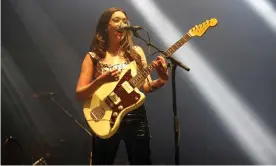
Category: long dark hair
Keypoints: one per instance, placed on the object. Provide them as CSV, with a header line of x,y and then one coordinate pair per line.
x,y
99,43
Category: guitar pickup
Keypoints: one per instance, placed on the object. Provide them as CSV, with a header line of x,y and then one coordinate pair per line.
x,y
114,98
127,87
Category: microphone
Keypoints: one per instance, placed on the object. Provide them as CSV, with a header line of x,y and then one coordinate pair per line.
x,y
128,28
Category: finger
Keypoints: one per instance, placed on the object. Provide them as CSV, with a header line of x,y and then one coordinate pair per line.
x,y
161,58
114,70
116,75
155,64
160,63
163,65
108,73
113,74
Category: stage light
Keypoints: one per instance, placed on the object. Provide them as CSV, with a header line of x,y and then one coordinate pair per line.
x,y
236,115
265,10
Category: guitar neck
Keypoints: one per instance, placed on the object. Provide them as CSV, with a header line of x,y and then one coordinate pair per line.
x,y
142,74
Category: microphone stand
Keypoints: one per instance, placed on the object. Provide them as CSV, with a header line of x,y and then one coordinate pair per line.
x,y
51,96
173,64
64,110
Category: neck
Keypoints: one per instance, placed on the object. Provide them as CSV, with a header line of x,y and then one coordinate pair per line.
x,y
113,47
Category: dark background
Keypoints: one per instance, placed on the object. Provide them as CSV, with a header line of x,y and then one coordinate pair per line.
x,y
44,42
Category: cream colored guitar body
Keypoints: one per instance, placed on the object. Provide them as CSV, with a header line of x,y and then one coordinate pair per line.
x,y
111,102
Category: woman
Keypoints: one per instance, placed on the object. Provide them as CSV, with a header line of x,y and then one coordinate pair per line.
x,y
110,52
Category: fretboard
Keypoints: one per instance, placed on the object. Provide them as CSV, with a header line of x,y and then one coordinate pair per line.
x,y
178,44
142,74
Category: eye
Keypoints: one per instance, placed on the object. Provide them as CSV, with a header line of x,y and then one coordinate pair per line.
x,y
115,19
125,21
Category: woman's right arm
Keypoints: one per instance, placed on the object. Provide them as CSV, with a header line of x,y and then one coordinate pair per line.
x,y
86,86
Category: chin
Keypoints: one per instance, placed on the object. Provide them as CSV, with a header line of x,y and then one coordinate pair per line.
x,y
119,40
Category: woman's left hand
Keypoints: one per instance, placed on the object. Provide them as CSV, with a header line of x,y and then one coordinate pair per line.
x,y
161,68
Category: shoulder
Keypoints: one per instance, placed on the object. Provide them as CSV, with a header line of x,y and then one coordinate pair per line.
x,y
92,56
138,49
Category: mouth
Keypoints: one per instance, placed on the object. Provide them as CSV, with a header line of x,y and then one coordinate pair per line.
x,y
119,35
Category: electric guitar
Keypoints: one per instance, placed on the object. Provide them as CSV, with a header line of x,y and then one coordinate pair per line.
x,y
113,100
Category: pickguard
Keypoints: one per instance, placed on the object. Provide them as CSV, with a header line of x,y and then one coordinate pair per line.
x,y
122,97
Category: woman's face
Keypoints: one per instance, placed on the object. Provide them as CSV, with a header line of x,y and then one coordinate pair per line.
x,y
118,19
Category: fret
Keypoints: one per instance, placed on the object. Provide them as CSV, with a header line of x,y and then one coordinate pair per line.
x,y
168,52
135,80
146,70
171,50
187,37
183,40
131,82
139,77
175,47
143,74
151,67
179,42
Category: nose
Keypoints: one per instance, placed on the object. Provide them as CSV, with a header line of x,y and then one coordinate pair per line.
x,y
122,23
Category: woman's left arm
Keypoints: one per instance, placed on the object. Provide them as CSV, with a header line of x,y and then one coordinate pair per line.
x,y
162,71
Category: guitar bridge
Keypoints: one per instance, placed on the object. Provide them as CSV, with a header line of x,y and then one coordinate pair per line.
x,y
97,114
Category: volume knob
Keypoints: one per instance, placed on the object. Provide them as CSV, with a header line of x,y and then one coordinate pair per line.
x,y
120,107
115,114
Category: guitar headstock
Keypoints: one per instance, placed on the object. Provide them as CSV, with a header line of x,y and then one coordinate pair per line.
x,y
200,29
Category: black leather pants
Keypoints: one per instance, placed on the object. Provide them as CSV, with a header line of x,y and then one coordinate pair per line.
x,y
134,131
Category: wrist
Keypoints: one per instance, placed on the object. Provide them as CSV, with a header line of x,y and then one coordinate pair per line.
x,y
99,81
162,81
163,77
158,83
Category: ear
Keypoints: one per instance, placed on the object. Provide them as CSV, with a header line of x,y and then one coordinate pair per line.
x,y
107,28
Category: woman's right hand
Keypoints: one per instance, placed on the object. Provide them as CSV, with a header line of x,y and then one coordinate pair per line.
x,y
109,76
